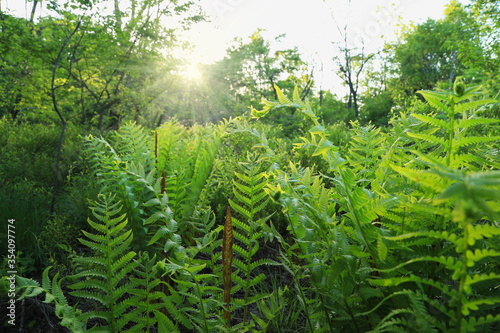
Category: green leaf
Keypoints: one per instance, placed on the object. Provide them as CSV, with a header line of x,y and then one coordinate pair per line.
x,y
381,248
323,147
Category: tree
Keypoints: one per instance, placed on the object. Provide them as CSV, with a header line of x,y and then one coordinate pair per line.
x,y
106,69
351,62
67,60
436,51
249,72
486,17
331,109
376,108
118,49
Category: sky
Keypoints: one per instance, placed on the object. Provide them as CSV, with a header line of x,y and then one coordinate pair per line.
x,y
311,25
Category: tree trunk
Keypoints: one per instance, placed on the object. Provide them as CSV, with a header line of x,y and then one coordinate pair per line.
x,y
33,10
355,103
63,121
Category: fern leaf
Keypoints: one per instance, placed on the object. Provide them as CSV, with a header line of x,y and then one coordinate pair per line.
x,y
470,140
440,123
434,99
471,122
429,138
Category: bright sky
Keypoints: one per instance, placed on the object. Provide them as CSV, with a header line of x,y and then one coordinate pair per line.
x,y
311,25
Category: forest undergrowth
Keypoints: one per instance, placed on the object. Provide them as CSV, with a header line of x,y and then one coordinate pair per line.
x,y
232,228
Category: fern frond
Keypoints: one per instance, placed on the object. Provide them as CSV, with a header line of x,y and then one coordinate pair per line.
x,y
107,285
461,107
472,140
434,98
471,122
429,138
432,120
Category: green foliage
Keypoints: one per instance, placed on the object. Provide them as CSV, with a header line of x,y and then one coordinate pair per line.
x,y
466,283
377,229
103,277
53,293
58,238
280,310
382,240
459,117
124,291
159,182
249,202
145,298
187,158
332,110
197,289
376,109
28,152
462,196
436,50
114,63
110,166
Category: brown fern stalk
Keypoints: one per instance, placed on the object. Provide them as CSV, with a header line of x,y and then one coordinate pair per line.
x,y
156,149
227,264
163,181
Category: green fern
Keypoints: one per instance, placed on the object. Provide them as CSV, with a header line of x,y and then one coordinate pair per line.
x,y
110,163
187,156
451,134
338,262
368,148
475,196
146,300
200,293
70,316
330,253
250,201
134,144
105,280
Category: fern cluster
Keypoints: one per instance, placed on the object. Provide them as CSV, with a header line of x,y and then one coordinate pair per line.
x,y
110,164
250,199
418,206
397,232
103,278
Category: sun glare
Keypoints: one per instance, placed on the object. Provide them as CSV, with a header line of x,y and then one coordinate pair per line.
x,y
191,72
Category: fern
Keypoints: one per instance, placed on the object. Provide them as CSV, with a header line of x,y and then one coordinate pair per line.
x,y
105,279
70,317
337,266
250,200
178,165
133,144
475,196
110,163
367,149
187,157
454,132
146,299
197,290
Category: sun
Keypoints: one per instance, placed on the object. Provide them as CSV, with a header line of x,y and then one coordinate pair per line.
x,y
191,72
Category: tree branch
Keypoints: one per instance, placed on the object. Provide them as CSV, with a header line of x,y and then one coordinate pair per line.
x,y
63,121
